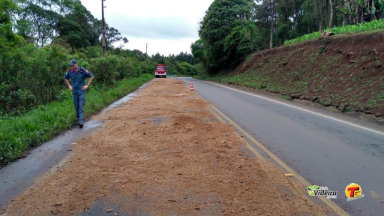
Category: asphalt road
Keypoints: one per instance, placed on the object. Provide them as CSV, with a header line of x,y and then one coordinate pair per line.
x,y
327,149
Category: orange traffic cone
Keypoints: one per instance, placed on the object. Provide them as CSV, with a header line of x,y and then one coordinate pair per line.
x,y
192,89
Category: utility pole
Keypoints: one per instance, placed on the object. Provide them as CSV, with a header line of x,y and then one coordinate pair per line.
x,y
146,49
103,29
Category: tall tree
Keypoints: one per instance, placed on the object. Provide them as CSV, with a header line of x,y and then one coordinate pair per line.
x,y
321,6
43,20
240,42
272,29
331,13
7,37
78,27
64,20
197,49
220,19
112,36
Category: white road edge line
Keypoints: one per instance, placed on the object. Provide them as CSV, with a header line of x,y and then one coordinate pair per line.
x,y
302,109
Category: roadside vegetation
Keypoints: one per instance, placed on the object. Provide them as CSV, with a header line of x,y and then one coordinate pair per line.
x,y
20,133
232,30
344,73
368,27
236,38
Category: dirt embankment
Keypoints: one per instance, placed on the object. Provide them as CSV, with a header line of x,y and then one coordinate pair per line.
x,y
346,72
164,153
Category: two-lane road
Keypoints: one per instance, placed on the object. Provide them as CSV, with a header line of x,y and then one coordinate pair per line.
x,y
325,148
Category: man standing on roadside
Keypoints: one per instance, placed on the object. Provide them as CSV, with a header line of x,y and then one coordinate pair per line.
x,y
77,76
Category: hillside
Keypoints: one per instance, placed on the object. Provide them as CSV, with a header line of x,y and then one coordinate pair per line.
x,y
343,71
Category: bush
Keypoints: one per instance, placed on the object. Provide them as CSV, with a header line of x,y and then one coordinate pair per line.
x,y
186,69
105,69
375,25
19,133
31,76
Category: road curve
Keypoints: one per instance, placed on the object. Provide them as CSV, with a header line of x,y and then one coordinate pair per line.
x,y
327,149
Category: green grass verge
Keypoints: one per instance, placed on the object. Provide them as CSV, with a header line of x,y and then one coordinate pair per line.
x,y
373,26
19,134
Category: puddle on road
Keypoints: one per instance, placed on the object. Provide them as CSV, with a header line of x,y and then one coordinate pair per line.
x,y
143,203
161,92
16,177
117,205
120,102
124,99
156,120
210,120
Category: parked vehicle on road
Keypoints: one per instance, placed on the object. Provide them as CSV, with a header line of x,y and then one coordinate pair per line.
x,y
160,71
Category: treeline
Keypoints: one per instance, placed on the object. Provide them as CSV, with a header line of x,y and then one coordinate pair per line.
x,y
232,29
182,64
37,40
64,22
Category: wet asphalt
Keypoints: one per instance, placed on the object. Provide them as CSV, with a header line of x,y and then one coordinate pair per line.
x,y
327,149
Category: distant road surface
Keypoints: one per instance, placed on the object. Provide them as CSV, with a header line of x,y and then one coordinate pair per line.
x,y
327,149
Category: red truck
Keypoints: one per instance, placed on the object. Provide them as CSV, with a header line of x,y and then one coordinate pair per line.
x,y
160,71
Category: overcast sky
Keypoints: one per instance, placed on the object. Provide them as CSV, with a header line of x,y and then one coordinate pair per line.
x,y
168,26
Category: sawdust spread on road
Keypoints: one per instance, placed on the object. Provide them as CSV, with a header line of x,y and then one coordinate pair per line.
x,y
164,153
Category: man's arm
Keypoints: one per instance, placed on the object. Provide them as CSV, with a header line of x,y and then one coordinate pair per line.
x,y
89,83
68,84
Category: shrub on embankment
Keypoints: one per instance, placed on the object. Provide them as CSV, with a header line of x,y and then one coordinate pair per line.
x,y
342,71
373,26
20,133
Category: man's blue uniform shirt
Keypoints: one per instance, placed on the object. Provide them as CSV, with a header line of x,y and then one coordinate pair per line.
x,y
77,77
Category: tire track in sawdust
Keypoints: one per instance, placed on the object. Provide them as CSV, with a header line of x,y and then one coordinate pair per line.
x,y
164,153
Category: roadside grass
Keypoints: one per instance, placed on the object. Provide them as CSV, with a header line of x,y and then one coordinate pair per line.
x,y
367,27
19,134
259,82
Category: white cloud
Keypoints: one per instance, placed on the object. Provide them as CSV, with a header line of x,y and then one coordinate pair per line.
x,y
168,26
155,27
162,46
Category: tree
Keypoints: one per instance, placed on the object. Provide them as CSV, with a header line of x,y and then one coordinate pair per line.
x,y
241,42
331,13
185,57
220,19
7,37
230,30
72,33
112,36
159,59
85,20
186,69
37,19
78,27
25,28
272,24
321,6
57,20
198,50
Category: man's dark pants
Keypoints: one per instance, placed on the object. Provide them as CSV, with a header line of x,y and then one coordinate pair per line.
x,y
79,102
